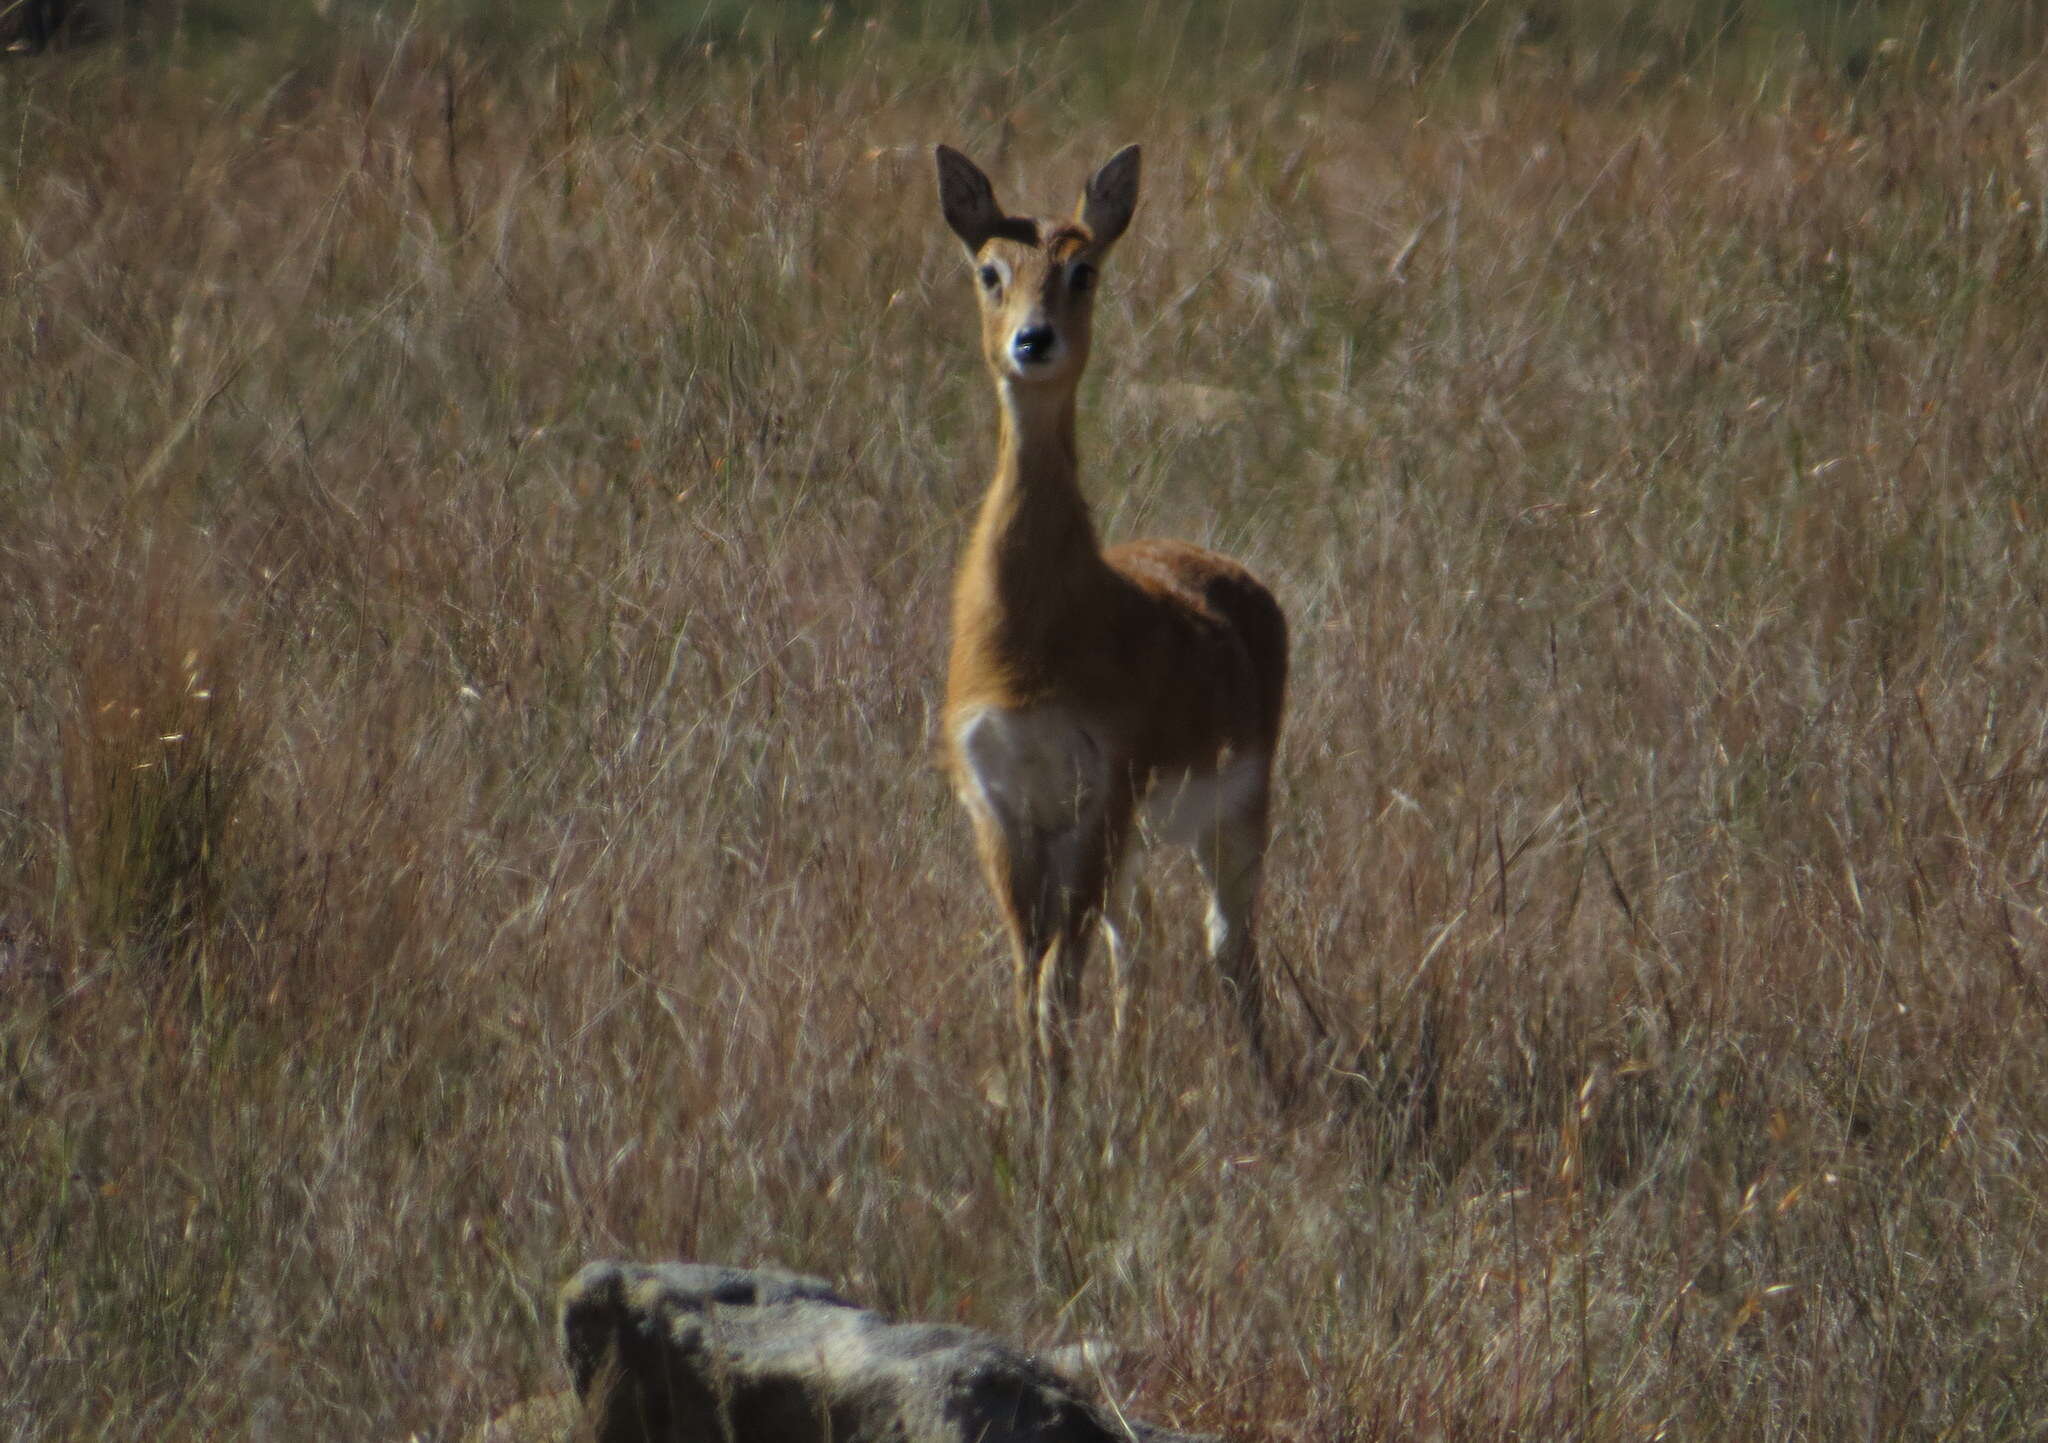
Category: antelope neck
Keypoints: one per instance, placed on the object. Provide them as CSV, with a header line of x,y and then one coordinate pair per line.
x,y
1034,518
1033,566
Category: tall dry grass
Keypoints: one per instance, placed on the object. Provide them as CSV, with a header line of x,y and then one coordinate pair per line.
x,y
473,557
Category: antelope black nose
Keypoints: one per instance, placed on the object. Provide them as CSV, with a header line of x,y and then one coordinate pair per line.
x,y
1033,343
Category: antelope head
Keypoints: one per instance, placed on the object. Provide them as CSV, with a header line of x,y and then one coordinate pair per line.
x,y
1036,278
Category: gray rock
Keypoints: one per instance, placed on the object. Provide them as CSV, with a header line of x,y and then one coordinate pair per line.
x,y
685,1353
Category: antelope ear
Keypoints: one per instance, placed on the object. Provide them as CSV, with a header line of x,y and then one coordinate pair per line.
x,y
1111,196
968,200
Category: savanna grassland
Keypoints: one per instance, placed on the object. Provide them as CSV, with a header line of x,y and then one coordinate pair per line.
x,y
477,499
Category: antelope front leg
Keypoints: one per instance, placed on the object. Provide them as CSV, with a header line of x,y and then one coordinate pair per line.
x,y
1126,918
1015,861
1081,862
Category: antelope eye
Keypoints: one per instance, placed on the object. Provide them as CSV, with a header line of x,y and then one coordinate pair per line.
x,y
990,277
1081,279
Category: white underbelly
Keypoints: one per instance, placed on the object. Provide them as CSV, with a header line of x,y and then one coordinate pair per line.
x,y
1039,768
1185,807
1046,770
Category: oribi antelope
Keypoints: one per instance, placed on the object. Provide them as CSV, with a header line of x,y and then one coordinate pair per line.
x,y
1088,687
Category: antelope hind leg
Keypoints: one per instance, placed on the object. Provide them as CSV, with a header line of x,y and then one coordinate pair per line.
x,y
1232,856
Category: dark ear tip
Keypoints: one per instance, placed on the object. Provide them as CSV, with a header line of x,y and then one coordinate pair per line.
x,y
1120,169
